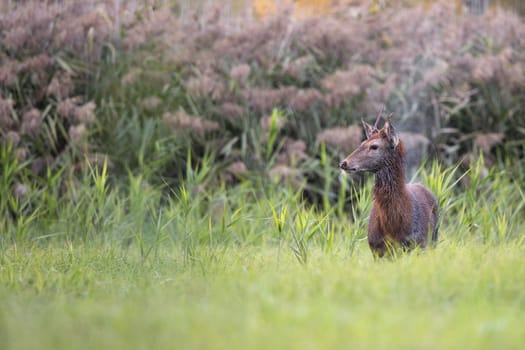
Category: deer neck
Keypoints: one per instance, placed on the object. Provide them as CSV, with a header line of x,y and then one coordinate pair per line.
x,y
389,189
391,199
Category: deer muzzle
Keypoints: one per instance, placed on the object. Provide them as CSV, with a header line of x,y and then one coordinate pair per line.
x,y
346,166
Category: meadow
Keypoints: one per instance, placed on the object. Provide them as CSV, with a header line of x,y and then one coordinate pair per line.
x,y
171,181
254,267
459,295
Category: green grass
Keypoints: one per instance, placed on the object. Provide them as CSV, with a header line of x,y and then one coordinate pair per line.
x,y
153,250
456,296
110,265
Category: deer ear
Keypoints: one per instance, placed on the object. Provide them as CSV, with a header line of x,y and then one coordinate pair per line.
x,y
391,132
368,129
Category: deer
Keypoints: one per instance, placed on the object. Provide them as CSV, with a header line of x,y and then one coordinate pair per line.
x,y
403,216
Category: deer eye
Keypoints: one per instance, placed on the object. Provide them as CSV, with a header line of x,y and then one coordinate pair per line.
x,y
374,147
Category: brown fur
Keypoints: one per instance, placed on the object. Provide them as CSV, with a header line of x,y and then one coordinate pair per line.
x,y
403,215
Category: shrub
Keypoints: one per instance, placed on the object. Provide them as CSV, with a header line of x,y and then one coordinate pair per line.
x,y
48,54
456,78
141,84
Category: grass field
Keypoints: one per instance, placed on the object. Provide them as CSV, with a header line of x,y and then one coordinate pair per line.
x,y
164,183
460,295
261,270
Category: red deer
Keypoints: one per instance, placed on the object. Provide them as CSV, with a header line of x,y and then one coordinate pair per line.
x,y
402,215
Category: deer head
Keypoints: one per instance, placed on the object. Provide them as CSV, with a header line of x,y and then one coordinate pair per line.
x,y
377,151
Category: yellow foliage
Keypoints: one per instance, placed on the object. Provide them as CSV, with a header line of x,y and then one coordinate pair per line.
x,y
374,8
301,8
312,7
265,7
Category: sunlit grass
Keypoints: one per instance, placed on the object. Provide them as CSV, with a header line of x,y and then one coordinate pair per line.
x,y
455,296
131,265
151,248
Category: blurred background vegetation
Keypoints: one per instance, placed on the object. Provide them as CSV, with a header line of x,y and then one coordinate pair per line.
x,y
169,173
267,90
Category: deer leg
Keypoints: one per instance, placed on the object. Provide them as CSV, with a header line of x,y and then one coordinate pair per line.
x,y
377,245
408,244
